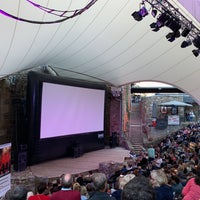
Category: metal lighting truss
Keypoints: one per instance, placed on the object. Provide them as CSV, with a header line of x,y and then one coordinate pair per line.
x,y
164,6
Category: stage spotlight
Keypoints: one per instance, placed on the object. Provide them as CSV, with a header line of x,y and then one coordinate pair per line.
x,y
196,42
143,11
185,32
154,12
171,36
174,25
186,43
163,18
138,15
154,27
196,52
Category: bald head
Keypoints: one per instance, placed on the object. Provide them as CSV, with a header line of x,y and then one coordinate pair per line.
x,y
67,180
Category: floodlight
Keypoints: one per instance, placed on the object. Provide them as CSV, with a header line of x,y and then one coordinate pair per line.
x,y
196,52
185,32
138,15
186,43
196,42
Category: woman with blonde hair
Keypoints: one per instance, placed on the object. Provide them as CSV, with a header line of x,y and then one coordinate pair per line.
x,y
159,182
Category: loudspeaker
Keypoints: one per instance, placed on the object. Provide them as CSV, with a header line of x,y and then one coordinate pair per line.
x,y
22,161
21,158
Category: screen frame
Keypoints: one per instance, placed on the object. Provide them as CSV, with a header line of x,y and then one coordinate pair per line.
x,y
40,150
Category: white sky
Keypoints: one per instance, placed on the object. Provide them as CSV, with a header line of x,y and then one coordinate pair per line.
x,y
152,84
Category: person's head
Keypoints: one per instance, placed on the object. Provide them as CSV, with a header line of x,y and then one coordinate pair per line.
x,y
84,191
100,181
19,193
124,180
77,186
66,181
158,178
138,188
8,194
41,187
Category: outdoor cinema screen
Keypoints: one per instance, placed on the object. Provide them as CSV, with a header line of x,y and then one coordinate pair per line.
x,y
62,112
68,110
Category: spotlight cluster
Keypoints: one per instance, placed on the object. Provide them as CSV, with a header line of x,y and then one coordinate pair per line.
x,y
170,17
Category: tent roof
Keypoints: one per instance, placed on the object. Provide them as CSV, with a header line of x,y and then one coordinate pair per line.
x,y
175,103
103,43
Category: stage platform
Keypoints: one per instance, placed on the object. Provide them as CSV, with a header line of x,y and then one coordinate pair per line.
x,y
86,162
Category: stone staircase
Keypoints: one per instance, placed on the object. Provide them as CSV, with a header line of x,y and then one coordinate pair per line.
x,y
135,133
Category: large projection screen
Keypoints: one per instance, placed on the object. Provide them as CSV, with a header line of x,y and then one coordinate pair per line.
x,y
68,110
62,112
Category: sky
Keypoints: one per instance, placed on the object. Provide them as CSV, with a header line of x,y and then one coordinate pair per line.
x,y
152,84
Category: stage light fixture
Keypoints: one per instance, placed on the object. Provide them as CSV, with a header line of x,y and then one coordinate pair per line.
x,y
185,32
196,52
196,42
174,25
138,15
171,36
154,12
186,43
163,18
154,27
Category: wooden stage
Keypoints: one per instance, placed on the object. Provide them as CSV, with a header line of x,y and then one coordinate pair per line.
x,y
88,161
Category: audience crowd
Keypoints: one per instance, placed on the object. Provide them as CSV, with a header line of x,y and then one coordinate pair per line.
x,y
169,170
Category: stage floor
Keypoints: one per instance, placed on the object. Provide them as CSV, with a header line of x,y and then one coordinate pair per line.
x,y
88,161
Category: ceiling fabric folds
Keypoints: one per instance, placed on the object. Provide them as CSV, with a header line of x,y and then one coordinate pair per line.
x,y
103,43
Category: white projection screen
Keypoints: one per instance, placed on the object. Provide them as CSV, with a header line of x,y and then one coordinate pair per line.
x,y
63,113
68,110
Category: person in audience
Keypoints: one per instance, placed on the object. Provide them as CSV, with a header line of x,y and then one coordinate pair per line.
x,y
176,185
19,193
100,183
82,189
159,182
41,189
191,191
157,162
151,153
84,193
66,191
90,189
29,194
7,195
88,178
138,188
122,181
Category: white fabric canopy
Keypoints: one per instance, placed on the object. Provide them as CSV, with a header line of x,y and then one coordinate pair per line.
x,y
103,43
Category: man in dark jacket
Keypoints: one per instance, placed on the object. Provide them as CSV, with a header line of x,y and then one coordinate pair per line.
x,y
100,183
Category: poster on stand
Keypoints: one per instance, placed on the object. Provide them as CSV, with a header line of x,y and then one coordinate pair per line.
x,y
173,120
5,168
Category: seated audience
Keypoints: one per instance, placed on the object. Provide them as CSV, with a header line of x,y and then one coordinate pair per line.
x,y
84,193
160,184
19,193
122,181
191,191
66,191
138,188
100,183
41,189
90,189
176,185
